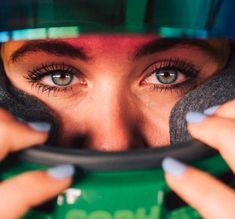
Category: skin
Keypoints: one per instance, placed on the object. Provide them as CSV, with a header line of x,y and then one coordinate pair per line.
x,y
114,88
12,205
217,131
130,107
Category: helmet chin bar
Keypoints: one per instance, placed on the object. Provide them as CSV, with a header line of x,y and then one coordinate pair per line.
x,y
125,160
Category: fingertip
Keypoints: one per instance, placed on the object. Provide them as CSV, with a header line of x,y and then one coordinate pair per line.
x,y
211,110
40,131
35,186
22,137
41,136
173,167
195,117
35,137
61,172
39,126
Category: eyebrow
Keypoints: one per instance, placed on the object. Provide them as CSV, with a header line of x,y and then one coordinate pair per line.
x,y
61,48
54,47
159,45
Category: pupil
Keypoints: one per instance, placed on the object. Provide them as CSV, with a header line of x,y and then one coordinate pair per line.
x,y
166,74
62,75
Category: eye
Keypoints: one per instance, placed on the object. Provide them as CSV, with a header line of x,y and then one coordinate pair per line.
x,y
59,79
167,73
165,76
55,77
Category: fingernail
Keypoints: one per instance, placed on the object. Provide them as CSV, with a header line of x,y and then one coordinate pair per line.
x,y
39,126
173,166
195,117
61,171
211,110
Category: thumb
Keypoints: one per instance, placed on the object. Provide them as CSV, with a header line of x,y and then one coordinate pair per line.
x,y
26,190
206,194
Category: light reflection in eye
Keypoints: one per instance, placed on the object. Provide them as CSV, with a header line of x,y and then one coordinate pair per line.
x,y
59,79
169,72
62,79
170,76
55,77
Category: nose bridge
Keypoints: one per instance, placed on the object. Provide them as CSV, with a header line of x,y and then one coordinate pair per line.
x,y
111,119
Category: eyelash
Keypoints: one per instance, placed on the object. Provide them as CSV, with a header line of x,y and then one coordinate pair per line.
x,y
188,69
34,76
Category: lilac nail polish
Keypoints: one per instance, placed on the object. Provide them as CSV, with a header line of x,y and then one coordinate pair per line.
x,y
211,110
195,117
173,166
61,171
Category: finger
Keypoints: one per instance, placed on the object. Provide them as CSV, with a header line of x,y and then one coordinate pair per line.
x,y
211,198
227,110
216,132
15,135
32,188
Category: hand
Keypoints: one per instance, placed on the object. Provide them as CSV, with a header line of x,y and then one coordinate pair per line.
x,y
213,199
26,190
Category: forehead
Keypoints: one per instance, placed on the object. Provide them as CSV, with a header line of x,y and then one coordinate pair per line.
x,y
104,46
98,42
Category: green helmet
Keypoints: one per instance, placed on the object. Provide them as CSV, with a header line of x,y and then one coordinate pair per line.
x,y
115,185
28,19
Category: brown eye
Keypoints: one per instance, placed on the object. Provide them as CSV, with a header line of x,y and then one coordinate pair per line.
x,y
166,76
62,78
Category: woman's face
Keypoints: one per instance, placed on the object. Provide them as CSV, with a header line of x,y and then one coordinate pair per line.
x,y
116,91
